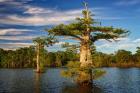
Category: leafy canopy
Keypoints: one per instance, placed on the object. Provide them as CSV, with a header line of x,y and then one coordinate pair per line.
x,y
50,40
79,27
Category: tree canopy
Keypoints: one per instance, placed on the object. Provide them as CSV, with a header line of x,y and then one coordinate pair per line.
x,y
78,28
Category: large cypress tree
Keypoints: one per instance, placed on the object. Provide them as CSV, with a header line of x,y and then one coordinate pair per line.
x,y
86,31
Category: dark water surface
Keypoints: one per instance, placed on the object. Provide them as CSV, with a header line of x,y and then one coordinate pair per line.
x,y
26,81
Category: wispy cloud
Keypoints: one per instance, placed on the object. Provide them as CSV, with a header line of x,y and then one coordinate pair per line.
x,y
13,31
31,15
124,43
12,38
109,18
60,43
136,41
37,10
127,2
13,46
56,17
14,2
39,16
3,0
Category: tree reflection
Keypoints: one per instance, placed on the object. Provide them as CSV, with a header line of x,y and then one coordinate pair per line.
x,y
37,83
81,89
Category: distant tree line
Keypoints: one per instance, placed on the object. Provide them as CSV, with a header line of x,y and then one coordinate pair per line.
x,y
121,58
23,57
26,58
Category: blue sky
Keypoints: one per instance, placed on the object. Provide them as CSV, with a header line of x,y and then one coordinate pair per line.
x,y
23,20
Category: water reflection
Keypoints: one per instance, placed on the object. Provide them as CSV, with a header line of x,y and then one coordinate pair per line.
x,y
119,80
81,89
128,80
26,81
42,84
37,83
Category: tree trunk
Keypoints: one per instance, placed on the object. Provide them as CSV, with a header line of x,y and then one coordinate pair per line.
x,y
86,60
37,60
85,54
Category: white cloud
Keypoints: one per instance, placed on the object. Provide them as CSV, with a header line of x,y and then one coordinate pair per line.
x,y
43,16
128,2
13,31
37,10
40,16
108,18
38,20
137,41
5,0
126,43
126,46
14,2
60,43
12,46
104,45
11,35
17,37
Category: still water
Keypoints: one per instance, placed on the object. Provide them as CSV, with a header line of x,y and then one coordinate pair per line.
x,y
116,80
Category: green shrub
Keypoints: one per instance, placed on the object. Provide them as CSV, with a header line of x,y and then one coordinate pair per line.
x,y
80,74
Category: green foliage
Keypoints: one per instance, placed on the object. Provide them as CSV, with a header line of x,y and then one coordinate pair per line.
x,y
45,41
42,67
73,67
50,60
78,29
20,58
42,60
102,60
86,32
98,73
123,56
40,43
74,71
137,55
26,57
60,58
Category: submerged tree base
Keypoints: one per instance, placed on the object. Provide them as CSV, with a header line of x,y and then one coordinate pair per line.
x,y
82,75
40,71
82,89
85,83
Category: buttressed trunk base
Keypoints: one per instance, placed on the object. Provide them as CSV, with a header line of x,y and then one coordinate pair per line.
x,y
86,62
